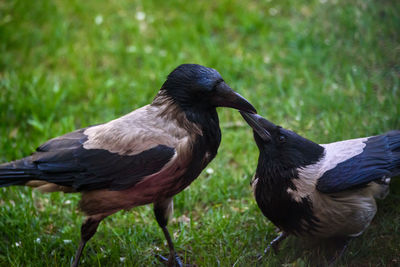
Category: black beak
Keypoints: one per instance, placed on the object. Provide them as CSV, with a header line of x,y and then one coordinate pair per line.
x,y
226,97
260,125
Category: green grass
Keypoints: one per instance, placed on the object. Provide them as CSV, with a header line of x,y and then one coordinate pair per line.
x,y
326,69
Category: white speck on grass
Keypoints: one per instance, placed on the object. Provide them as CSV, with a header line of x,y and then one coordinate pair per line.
x,y
67,202
67,241
122,259
209,171
37,240
184,219
266,59
148,49
56,87
17,244
131,49
98,19
273,11
140,15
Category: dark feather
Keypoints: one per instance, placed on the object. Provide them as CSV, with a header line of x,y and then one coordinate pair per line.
x,y
380,158
275,202
17,172
66,162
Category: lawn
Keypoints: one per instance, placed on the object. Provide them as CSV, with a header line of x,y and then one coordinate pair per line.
x,y
326,69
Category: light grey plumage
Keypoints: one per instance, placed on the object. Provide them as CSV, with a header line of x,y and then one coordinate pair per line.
x,y
340,213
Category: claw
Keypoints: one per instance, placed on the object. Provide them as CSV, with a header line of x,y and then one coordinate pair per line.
x,y
171,261
178,262
274,245
268,249
161,258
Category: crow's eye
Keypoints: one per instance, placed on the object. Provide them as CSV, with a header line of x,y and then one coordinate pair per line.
x,y
282,138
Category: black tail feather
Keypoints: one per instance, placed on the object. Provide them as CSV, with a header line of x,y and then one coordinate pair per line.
x,y
17,172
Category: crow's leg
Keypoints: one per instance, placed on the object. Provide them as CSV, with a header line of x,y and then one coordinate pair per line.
x,y
163,210
275,244
339,253
88,229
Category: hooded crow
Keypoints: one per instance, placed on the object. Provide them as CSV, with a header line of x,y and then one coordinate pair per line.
x,y
323,191
146,156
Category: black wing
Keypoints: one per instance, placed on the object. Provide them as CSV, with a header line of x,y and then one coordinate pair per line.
x,y
380,158
65,161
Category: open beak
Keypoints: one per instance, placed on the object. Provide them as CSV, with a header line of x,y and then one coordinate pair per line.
x,y
226,97
260,125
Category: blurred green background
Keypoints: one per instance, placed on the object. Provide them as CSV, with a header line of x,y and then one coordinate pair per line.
x,y
326,69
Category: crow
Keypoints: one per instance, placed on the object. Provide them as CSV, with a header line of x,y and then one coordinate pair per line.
x,y
321,191
146,156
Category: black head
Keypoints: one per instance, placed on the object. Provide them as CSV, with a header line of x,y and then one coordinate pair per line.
x,y
196,87
281,146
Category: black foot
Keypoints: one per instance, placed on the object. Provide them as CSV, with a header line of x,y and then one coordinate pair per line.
x,y
274,245
266,251
171,261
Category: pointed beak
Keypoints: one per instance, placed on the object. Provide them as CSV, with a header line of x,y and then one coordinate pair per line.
x,y
260,125
226,97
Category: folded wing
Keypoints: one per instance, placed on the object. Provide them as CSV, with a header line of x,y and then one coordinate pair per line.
x,y
65,161
379,158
